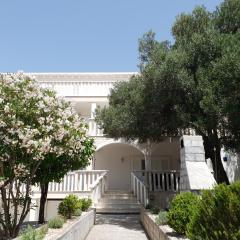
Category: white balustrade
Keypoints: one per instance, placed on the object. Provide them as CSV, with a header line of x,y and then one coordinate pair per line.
x,y
88,183
82,88
160,180
78,181
99,187
139,189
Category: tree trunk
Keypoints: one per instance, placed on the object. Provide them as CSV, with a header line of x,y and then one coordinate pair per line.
x,y
220,173
43,199
147,155
213,151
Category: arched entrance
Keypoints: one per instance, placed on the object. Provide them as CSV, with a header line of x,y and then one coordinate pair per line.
x,y
120,159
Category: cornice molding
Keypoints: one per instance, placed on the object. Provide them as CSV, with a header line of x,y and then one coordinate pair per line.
x,y
83,77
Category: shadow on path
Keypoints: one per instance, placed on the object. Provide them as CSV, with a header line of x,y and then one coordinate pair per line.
x,y
117,226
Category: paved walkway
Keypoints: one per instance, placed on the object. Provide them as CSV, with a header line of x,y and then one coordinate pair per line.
x,y
117,227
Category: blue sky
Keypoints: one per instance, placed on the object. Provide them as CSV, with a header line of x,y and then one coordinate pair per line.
x,y
83,36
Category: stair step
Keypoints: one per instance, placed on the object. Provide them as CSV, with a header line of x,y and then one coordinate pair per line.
x,y
117,205
119,210
119,195
118,192
118,201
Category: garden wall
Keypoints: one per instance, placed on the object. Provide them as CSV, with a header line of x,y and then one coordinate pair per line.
x,y
156,232
79,229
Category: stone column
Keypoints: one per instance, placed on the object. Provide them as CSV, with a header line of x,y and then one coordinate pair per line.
x,y
93,109
194,174
147,158
93,123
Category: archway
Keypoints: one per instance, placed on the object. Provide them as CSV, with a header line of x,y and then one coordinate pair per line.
x,y
120,159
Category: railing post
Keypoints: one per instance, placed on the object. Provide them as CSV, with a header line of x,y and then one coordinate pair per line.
x,y
85,181
154,181
150,180
172,181
145,197
158,177
76,181
134,191
140,191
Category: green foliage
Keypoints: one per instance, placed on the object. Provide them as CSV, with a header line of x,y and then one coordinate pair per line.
x,y
148,206
181,209
217,214
125,107
56,222
193,83
227,16
85,203
77,212
69,205
34,234
187,25
147,45
161,219
154,209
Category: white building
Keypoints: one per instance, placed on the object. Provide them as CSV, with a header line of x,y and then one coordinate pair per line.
x,y
154,175
86,91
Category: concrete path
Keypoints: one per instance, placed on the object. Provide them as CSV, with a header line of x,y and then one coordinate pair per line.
x,y
117,227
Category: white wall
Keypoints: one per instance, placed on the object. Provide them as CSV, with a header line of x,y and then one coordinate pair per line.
x,y
232,165
51,208
120,160
166,155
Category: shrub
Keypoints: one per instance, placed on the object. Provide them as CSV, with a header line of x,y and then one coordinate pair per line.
x,y
86,203
69,205
34,234
78,212
154,210
148,206
56,222
181,209
217,215
161,219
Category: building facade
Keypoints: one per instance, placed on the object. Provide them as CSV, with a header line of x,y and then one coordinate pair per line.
x,y
86,91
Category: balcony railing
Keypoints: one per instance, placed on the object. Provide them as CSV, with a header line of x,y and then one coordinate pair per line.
x,y
78,181
139,189
143,182
160,180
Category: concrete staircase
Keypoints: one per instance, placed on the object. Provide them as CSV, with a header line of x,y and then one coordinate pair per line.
x,y
118,202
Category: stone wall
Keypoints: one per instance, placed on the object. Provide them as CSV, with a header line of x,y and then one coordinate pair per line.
x,y
156,232
194,174
78,230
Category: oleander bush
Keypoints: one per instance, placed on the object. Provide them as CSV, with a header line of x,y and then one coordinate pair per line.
x,y
56,222
86,203
69,206
217,215
181,209
161,219
34,234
